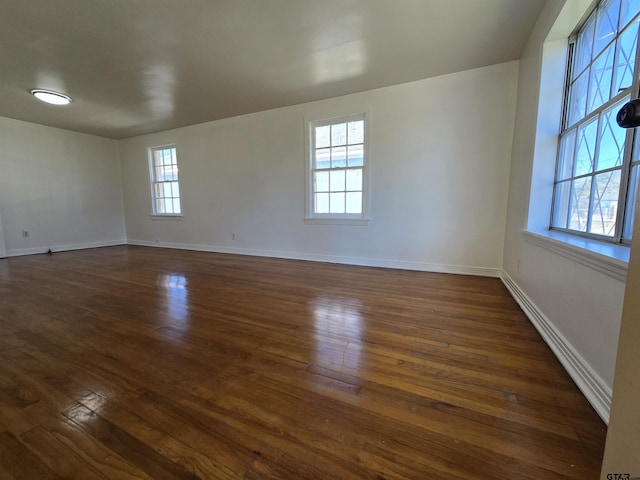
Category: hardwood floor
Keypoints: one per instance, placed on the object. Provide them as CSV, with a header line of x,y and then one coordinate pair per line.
x,y
133,362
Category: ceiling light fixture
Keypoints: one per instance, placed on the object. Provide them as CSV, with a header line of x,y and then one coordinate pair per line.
x,y
53,98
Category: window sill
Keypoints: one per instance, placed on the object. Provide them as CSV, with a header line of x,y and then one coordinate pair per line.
x,y
607,258
337,221
167,217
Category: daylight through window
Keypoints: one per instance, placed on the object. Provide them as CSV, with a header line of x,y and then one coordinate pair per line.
x,y
337,170
597,170
165,190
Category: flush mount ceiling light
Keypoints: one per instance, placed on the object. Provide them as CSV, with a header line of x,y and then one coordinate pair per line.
x,y
53,98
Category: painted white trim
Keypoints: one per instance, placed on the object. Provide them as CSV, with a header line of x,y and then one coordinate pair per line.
x,y
63,248
610,259
364,113
167,216
597,392
357,222
315,257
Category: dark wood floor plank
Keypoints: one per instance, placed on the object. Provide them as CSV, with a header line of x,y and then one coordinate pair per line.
x,y
201,452
482,431
20,462
127,446
5,475
61,460
91,451
15,420
133,362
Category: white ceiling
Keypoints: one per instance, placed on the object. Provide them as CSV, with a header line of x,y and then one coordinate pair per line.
x,y
139,66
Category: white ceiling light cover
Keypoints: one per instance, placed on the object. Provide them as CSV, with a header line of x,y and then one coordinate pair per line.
x,y
53,98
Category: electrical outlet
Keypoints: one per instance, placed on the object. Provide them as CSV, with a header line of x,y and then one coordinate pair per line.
x,y
25,234
233,236
518,266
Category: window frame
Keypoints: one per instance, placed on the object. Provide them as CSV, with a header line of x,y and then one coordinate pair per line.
x,y
630,153
311,217
153,182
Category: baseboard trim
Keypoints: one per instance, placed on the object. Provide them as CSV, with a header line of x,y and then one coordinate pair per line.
x,y
347,260
63,248
597,392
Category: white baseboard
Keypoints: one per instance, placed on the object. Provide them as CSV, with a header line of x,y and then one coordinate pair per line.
x,y
597,392
359,261
63,248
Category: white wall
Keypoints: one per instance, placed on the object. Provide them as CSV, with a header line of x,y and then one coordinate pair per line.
x,y
623,435
62,187
577,306
439,170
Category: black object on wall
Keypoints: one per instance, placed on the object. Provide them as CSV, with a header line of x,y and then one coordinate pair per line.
x,y
629,114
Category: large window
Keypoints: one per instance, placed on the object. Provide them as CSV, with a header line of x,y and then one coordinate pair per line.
x,y
165,190
597,168
337,168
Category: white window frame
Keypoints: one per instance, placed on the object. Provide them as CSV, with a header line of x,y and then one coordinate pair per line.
x,y
561,212
356,219
153,182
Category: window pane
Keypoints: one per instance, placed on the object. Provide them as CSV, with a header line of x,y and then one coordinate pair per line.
x,y
561,204
337,180
631,202
586,147
600,79
354,202
627,47
585,46
607,24
578,98
354,180
605,203
323,136
322,203
338,167
356,156
323,158
612,139
339,157
321,181
591,153
630,9
338,134
165,173
579,211
164,181
336,203
567,149
356,132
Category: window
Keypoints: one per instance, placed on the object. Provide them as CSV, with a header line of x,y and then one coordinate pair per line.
x,y
165,190
597,169
337,168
